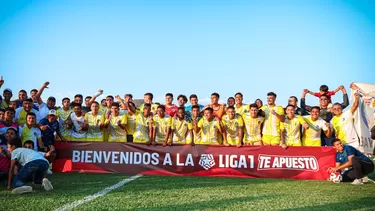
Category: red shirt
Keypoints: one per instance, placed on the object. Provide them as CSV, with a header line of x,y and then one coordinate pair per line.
x,y
328,94
171,111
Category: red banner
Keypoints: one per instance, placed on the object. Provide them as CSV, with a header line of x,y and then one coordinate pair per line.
x,y
309,163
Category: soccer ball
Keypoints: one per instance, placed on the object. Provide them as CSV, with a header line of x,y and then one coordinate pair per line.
x,y
335,177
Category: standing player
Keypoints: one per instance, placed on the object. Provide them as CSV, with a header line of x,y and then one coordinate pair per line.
x,y
311,135
181,129
253,124
116,124
233,125
143,126
343,123
274,115
94,123
162,125
210,128
291,128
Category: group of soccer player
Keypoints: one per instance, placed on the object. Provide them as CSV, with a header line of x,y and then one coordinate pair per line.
x,y
234,123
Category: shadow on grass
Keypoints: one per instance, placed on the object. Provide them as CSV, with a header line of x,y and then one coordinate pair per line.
x,y
212,204
367,203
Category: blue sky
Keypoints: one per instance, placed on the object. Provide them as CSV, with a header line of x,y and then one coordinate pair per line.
x,y
186,47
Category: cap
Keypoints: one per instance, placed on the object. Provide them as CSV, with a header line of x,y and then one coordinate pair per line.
x,y
52,98
7,90
52,112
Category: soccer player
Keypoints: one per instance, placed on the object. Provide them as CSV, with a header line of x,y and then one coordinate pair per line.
x,y
49,126
62,116
94,123
143,128
34,168
162,125
76,123
259,103
87,107
20,116
181,129
230,101
291,128
22,95
44,107
196,117
343,124
170,108
218,109
209,127
233,126
311,135
240,107
349,157
274,115
7,94
116,124
182,100
130,125
193,101
253,125
8,121
32,132
78,99
147,98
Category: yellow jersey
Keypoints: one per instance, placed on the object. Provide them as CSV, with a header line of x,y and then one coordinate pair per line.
x,y
209,131
161,126
141,134
292,129
311,136
253,132
181,129
271,125
94,133
232,127
116,133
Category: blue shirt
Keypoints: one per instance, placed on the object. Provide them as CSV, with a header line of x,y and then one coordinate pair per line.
x,y
24,156
190,108
48,135
348,151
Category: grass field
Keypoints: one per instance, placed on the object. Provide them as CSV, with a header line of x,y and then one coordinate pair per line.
x,y
192,193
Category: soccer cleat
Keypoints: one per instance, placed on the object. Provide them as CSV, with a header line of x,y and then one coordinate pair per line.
x,y
22,189
47,185
357,182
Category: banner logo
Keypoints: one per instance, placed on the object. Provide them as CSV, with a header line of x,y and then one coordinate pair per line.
x,y
207,161
278,162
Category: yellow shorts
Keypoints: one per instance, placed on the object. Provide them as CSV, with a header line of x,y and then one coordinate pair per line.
x,y
232,141
271,140
312,143
251,142
293,144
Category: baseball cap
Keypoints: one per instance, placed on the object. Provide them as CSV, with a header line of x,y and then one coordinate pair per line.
x,y
52,98
52,112
7,90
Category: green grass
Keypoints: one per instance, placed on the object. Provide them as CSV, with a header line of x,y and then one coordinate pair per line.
x,y
153,193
